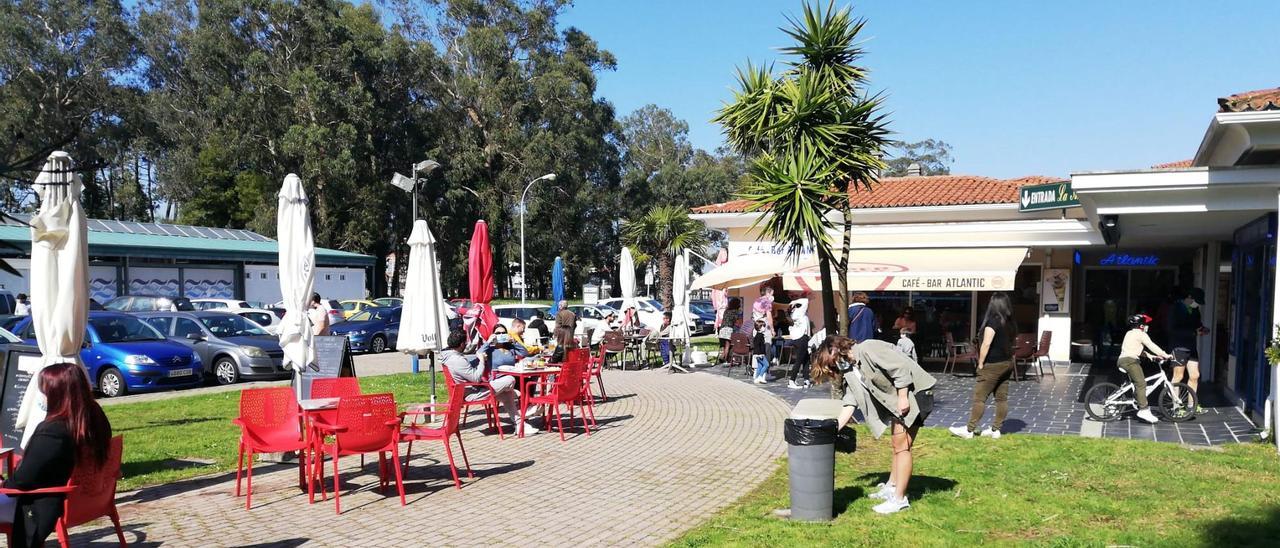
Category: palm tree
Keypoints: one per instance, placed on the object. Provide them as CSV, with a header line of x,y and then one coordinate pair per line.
x,y
815,134
659,235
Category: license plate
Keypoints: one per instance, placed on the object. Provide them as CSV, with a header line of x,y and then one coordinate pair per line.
x,y
180,372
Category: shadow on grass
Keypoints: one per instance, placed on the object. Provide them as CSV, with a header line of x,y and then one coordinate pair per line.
x,y
171,422
1244,531
919,486
138,468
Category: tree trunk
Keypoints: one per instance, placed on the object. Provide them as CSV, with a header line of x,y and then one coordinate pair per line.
x,y
665,283
829,316
842,266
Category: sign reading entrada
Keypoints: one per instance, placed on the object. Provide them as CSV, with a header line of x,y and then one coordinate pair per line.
x,y
1050,196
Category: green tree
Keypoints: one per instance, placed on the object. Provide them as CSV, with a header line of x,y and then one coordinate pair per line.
x,y
659,235
933,157
815,134
661,167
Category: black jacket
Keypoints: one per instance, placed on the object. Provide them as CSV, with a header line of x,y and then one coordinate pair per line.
x,y
49,458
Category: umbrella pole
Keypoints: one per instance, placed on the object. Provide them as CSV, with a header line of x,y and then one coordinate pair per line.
x,y
431,357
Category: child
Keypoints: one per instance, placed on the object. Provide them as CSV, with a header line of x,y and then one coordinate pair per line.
x,y
761,339
1135,342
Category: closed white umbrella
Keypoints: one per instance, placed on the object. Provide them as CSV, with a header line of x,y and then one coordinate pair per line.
x,y
423,323
627,278
297,275
59,278
680,297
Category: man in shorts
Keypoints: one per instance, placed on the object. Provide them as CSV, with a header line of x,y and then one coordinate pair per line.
x,y
1185,329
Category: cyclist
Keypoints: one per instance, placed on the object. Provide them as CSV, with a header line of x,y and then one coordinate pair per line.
x,y
1131,350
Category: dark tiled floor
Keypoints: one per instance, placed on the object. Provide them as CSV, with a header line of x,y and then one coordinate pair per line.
x,y
1051,406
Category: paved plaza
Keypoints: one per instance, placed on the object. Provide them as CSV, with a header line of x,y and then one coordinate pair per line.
x,y
1052,405
669,453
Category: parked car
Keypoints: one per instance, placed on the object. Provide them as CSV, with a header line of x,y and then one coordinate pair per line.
x,y
220,304
124,354
374,329
8,303
230,346
592,317
650,310
149,303
389,301
526,312
352,307
7,321
269,321
95,305
332,306
705,313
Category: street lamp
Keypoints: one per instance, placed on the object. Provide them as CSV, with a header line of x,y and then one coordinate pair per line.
x,y
410,184
524,274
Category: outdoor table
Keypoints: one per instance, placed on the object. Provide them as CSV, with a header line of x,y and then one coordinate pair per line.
x,y
322,408
523,376
635,342
677,353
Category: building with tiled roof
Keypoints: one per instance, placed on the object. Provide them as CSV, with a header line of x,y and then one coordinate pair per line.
x,y
1251,101
1173,165
921,191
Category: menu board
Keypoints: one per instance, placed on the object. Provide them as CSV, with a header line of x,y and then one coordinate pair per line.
x,y
20,362
333,359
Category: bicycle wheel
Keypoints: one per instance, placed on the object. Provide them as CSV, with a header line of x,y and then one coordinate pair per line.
x,y
1096,405
1178,402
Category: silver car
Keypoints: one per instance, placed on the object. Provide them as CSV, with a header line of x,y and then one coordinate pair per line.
x,y
231,347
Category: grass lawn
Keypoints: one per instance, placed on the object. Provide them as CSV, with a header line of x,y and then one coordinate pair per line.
x,y
178,438
1030,490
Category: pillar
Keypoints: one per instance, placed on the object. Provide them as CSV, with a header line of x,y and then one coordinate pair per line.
x,y
1275,373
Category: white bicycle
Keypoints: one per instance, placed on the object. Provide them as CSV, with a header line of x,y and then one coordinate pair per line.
x,y
1106,402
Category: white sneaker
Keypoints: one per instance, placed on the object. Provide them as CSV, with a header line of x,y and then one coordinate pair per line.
x,y
760,380
892,505
884,491
530,429
1148,416
991,433
961,431
792,385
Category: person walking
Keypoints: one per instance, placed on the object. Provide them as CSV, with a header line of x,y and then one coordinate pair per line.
x,y
566,317
1185,327
798,336
995,366
1131,350
862,320
319,315
893,392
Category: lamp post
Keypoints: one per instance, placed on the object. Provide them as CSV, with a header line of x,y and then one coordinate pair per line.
x,y
410,185
524,274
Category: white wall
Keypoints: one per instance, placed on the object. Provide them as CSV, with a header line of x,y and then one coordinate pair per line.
x,y
262,283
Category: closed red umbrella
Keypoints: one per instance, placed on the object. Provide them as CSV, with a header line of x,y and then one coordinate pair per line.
x,y
480,275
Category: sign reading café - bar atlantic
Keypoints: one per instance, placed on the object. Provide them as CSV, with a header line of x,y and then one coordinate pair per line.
x,y
1050,196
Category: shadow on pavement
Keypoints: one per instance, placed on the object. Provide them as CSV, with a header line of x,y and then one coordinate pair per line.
x,y
286,543
106,536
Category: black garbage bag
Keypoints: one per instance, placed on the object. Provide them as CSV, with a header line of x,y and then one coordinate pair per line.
x,y
809,431
846,440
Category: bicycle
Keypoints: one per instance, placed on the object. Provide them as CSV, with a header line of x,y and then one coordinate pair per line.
x,y
1106,402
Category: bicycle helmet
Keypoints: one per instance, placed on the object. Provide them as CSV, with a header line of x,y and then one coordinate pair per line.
x,y
1139,320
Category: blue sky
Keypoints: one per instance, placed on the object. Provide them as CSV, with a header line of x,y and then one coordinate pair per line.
x,y
1017,88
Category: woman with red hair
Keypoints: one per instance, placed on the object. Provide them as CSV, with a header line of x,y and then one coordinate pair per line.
x,y
74,428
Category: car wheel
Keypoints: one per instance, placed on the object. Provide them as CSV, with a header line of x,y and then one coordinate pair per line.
x,y
226,371
112,384
378,345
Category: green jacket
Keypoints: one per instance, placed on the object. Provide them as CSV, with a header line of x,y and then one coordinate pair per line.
x,y
883,370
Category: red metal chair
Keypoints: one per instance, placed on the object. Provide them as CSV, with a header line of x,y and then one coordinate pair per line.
x,y
595,365
270,422
567,390
339,387
90,495
451,411
740,351
586,399
1042,352
365,424
1024,351
489,402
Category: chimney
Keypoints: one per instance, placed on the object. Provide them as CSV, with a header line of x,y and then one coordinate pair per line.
x,y
914,170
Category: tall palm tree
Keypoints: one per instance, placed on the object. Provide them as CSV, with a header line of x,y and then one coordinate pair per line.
x,y
815,134
659,235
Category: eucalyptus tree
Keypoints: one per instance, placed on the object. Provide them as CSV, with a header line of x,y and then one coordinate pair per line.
x,y
815,134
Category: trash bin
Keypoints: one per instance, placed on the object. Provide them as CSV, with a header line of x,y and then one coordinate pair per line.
x,y
810,432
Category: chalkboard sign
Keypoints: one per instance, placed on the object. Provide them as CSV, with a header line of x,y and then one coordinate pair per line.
x,y
20,362
333,359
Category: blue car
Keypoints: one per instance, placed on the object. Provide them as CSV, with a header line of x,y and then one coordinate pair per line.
x,y
124,354
371,330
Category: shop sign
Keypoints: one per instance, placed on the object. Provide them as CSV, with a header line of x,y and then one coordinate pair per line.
x,y
1128,259
1055,289
1050,196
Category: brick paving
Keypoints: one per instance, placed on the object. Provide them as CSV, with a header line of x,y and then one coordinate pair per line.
x,y
1052,405
670,451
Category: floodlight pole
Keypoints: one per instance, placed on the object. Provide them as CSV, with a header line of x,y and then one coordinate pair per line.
x,y
524,274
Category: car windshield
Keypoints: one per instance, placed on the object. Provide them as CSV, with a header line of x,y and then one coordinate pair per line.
x,y
118,329
370,314
231,326
348,306
702,308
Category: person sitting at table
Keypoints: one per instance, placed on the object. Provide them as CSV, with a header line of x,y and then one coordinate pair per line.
x,y
517,332
464,368
612,321
501,350
664,341
565,341
75,427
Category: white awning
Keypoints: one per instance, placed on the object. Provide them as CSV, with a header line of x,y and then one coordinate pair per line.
x,y
969,269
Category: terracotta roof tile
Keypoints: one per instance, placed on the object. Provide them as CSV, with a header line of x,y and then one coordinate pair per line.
x,y
1170,165
924,191
1262,99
